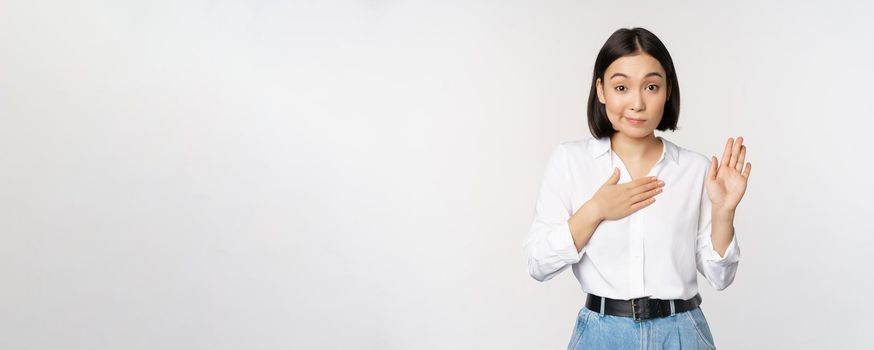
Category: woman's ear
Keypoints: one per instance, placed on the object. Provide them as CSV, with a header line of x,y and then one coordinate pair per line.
x,y
600,90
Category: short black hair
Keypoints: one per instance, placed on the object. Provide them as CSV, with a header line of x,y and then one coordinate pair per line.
x,y
628,42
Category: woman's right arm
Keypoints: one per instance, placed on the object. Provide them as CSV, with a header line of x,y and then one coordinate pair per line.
x,y
550,246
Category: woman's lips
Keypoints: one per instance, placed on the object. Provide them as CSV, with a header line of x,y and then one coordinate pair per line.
x,y
633,121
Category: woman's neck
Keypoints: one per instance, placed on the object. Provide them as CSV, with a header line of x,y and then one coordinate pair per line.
x,y
633,149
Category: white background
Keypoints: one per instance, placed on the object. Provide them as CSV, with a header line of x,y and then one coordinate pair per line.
x,y
361,174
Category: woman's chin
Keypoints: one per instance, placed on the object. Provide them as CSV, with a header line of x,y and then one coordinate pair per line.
x,y
637,133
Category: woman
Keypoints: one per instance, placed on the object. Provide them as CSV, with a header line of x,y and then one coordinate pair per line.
x,y
637,239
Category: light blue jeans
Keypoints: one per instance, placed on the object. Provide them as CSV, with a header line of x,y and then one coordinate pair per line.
x,y
684,330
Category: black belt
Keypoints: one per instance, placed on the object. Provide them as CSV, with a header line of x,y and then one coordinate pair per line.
x,y
641,308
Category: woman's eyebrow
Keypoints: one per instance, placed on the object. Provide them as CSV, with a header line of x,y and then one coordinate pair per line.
x,y
645,76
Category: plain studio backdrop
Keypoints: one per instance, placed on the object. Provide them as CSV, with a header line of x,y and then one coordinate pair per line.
x,y
362,174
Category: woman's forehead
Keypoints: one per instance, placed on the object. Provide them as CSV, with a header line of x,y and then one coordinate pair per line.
x,y
636,67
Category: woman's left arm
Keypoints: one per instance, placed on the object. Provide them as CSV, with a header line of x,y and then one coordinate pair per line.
x,y
726,185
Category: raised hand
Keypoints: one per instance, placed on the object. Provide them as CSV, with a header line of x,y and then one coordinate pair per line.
x,y
727,182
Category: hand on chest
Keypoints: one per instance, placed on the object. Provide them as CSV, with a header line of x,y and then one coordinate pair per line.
x,y
675,212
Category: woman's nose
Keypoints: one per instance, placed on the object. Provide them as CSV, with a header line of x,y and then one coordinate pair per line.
x,y
637,102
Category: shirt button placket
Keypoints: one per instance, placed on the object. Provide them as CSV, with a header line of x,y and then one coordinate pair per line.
x,y
636,250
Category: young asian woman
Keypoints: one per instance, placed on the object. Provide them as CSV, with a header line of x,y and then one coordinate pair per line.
x,y
634,215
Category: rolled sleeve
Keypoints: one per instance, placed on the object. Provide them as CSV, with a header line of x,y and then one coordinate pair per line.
x,y
549,245
732,253
561,241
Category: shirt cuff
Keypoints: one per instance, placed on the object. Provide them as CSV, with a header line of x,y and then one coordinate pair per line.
x,y
732,253
561,241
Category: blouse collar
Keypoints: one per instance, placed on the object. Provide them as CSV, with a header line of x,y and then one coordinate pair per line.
x,y
601,146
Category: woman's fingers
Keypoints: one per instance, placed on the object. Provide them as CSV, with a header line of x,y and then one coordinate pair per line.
x,y
740,160
735,152
646,195
634,184
639,205
641,181
647,187
726,154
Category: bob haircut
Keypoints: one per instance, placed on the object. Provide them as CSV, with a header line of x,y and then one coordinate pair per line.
x,y
630,42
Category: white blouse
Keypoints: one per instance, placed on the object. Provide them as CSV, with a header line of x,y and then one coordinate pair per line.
x,y
653,252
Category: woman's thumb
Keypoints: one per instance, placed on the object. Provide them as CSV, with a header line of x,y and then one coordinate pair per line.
x,y
614,178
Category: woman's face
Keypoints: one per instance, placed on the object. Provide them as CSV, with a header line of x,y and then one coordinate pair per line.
x,y
634,92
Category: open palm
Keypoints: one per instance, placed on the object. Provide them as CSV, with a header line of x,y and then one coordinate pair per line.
x,y
727,183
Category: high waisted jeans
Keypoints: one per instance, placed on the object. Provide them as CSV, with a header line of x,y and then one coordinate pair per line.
x,y
684,330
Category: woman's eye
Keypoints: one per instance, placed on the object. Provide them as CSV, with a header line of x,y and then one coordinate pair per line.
x,y
652,87
620,88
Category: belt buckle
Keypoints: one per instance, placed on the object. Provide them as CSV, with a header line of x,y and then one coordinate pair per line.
x,y
634,313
